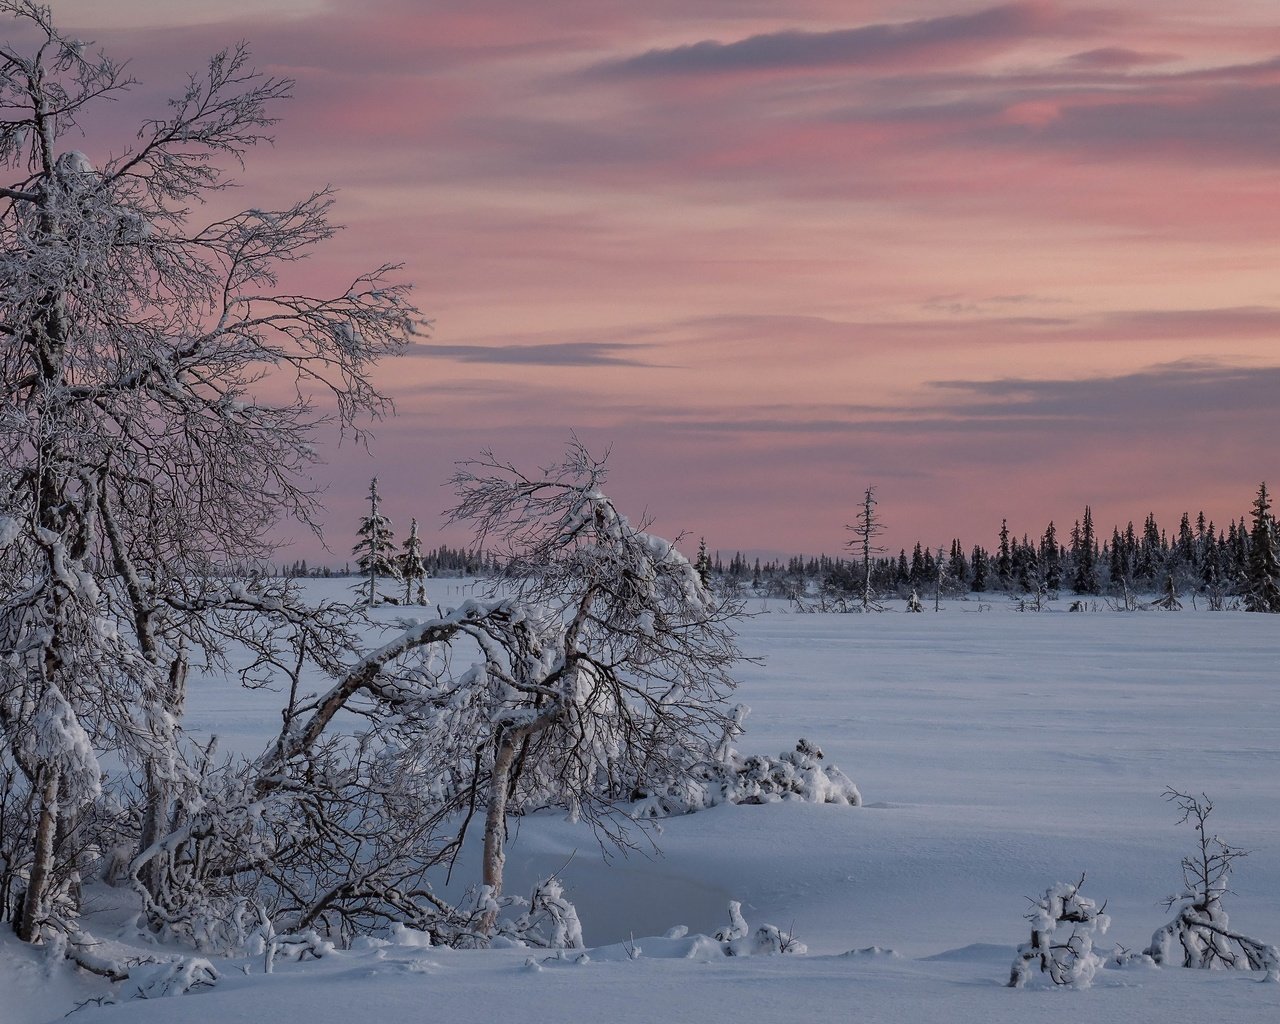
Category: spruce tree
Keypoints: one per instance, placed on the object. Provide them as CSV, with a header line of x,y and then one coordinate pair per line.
x,y
979,565
1051,559
702,565
375,551
958,567
1085,580
1004,558
1262,582
411,567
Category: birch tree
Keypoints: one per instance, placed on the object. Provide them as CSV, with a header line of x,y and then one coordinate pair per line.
x,y
144,462
615,672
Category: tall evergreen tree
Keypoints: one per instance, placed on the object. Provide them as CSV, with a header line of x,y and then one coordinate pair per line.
x,y
375,550
1262,583
702,564
958,567
1051,559
978,563
1004,558
1086,558
411,567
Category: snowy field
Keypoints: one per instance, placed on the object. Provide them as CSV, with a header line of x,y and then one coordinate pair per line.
x,y
997,753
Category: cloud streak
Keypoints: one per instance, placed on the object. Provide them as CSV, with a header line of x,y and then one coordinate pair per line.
x,y
581,353
878,44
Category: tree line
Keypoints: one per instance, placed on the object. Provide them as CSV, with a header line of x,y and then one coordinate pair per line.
x,y
1198,557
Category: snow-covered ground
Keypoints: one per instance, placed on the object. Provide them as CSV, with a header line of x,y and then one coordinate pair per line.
x,y
997,753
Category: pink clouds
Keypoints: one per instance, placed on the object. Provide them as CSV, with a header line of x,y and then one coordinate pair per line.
x,y
742,242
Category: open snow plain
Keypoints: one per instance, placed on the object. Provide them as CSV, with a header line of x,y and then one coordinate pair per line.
x,y
997,753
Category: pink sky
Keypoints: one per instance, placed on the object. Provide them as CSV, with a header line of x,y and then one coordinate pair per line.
x,y
998,260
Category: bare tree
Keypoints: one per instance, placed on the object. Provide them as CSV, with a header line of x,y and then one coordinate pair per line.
x,y
867,528
1200,934
143,464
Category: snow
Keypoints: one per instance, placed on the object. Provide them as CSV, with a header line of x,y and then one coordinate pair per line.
x,y
998,754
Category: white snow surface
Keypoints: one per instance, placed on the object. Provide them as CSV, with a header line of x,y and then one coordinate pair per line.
x,y
998,753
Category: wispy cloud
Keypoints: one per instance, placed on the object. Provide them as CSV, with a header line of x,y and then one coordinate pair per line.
x,y
896,42
579,353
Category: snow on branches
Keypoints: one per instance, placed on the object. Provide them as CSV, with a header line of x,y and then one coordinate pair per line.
x,y
1063,926
1200,934
616,665
146,443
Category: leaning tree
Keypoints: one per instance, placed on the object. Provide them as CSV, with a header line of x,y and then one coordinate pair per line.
x,y
159,397
595,673
611,675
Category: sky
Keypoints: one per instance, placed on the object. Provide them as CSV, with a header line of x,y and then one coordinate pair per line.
x,y
998,260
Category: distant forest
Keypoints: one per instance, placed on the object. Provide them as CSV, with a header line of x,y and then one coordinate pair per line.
x,y
440,561
1197,557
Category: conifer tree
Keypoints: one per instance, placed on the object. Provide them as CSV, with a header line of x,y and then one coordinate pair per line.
x,y
979,565
375,551
958,566
1262,593
703,563
1086,558
1050,559
1004,558
411,567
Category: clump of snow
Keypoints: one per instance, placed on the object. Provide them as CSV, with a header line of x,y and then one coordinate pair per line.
x,y
738,939
170,977
798,774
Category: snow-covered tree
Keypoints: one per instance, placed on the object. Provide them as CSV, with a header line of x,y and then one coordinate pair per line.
x,y
1262,580
1200,934
411,568
1084,554
596,670
142,468
375,550
614,660
702,565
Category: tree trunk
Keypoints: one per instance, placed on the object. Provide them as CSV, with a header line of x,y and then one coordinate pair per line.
x,y
157,817
495,827
35,903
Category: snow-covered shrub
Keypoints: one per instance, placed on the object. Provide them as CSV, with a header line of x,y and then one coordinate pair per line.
x,y
1200,934
170,977
1063,925
738,939
795,774
296,946
731,777
549,920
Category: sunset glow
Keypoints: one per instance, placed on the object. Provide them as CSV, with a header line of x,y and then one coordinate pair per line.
x,y
998,259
